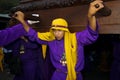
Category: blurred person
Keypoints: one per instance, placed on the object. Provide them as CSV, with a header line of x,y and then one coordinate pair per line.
x,y
26,60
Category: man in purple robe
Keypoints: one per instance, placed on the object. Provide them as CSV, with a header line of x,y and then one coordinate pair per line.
x,y
25,59
11,34
30,59
66,49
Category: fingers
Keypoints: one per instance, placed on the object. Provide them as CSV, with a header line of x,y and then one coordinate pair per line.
x,y
17,14
97,4
14,15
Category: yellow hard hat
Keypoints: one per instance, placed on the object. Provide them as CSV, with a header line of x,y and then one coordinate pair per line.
x,y
59,22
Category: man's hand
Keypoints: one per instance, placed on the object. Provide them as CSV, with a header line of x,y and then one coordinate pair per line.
x,y
93,8
19,16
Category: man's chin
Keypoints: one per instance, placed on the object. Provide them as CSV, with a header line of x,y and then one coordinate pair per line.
x,y
58,38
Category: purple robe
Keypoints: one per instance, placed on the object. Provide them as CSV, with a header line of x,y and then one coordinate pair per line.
x,y
10,34
115,69
56,48
31,59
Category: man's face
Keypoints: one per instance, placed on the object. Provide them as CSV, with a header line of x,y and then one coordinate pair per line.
x,y
58,34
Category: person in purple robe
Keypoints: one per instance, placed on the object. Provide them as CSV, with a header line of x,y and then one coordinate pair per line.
x,y
66,49
29,54
25,60
9,35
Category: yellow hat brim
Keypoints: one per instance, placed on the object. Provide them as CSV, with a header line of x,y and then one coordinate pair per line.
x,y
60,28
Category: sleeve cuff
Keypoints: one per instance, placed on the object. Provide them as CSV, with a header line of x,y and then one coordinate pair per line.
x,y
92,31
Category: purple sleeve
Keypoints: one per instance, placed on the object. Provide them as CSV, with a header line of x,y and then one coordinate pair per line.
x,y
10,34
87,36
32,34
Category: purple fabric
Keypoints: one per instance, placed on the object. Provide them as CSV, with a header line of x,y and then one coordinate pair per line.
x,y
31,59
47,69
56,47
10,34
62,76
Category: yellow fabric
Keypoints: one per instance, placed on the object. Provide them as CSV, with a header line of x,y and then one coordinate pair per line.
x,y
60,28
60,21
70,49
71,54
48,36
44,47
1,58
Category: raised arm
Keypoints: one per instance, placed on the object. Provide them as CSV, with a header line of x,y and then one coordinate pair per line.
x,y
92,11
21,18
10,34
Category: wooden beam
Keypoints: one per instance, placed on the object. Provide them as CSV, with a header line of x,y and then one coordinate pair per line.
x,y
77,18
